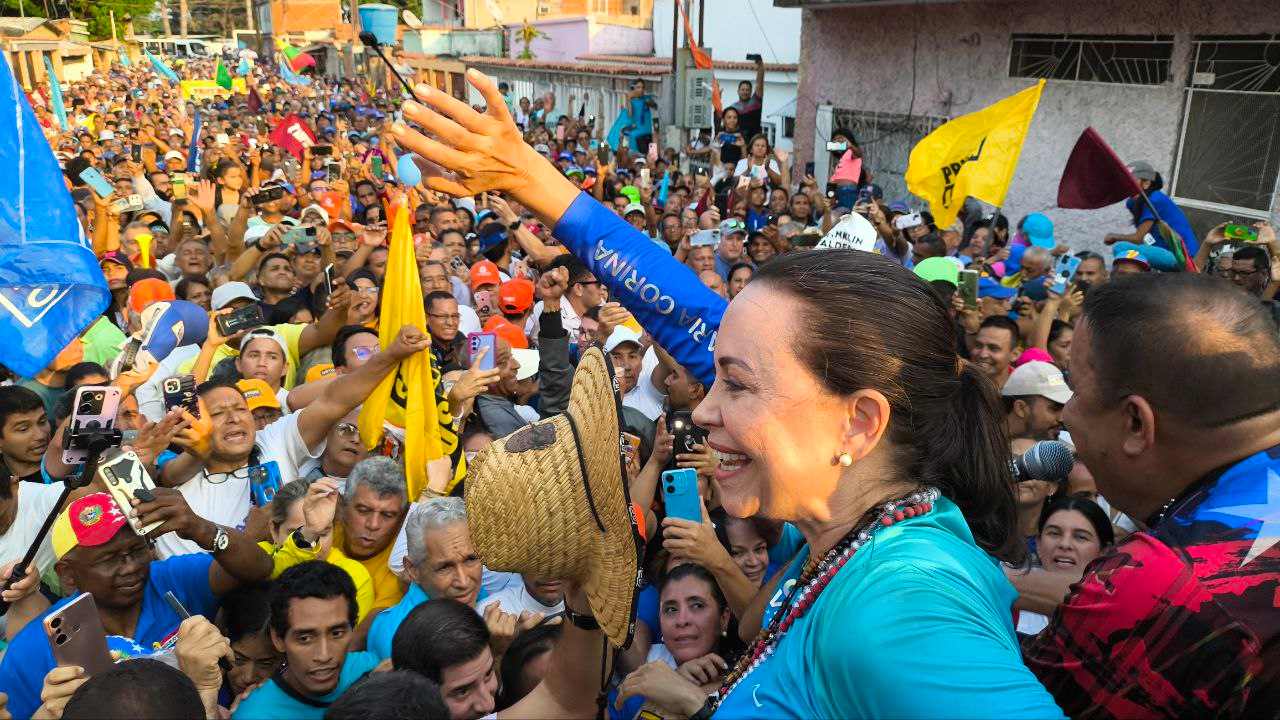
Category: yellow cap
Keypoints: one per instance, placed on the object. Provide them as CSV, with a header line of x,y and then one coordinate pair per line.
x,y
318,372
258,394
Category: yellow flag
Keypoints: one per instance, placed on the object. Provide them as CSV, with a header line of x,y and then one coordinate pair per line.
x,y
973,155
409,398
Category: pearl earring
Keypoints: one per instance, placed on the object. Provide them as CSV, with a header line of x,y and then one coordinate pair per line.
x,y
844,459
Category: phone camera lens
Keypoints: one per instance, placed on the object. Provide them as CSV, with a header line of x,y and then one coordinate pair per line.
x,y
60,639
55,623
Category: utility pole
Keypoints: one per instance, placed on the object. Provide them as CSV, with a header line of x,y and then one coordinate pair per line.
x,y
112,14
164,17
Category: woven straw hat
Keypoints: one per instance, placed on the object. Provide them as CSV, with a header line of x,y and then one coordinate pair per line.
x,y
550,500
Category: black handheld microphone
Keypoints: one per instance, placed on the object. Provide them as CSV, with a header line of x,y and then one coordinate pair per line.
x,y
371,41
1050,460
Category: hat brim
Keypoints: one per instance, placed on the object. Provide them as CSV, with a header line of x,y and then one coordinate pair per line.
x,y
550,500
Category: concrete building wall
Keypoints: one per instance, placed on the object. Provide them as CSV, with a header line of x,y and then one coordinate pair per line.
x,y
947,59
568,38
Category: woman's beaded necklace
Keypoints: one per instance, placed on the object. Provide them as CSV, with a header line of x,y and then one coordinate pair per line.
x,y
817,575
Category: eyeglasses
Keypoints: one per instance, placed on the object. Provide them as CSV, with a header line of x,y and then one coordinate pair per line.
x,y
219,478
1240,274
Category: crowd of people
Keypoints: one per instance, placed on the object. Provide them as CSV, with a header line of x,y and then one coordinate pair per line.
x,y
1130,588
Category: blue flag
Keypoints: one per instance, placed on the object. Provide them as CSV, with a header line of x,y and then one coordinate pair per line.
x,y
164,70
124,57
243,68
290,76
51,287
193,150
55,94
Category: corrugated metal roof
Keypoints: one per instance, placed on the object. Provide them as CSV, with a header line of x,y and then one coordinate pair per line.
x,y
666,61
18,26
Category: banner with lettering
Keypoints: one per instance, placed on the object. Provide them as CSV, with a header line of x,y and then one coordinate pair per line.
x,y
51,287
973,155
293,135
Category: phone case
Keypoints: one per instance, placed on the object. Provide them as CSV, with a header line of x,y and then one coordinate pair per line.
x,y
94,179
685,434
264,482
680,494
123,475
969,288
76,636
180,391
476,341
246,318
94,408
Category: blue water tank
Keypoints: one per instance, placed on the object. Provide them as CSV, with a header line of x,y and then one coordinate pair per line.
x,y
380,20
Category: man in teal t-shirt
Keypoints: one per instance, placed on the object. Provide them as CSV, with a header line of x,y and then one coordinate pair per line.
x,y
313,616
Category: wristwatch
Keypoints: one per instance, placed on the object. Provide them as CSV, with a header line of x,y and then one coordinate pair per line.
x,y
515,225
221,540
301,541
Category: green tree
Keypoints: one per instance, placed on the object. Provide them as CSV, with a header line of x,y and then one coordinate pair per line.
x,y
97,13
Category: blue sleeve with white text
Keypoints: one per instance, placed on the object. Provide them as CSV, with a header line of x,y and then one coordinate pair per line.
x,y
663,294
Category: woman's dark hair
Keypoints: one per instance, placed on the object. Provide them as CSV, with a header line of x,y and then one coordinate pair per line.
x,y
437,635
1140,203
1057,328
246,611
283,312
358,273
183,289
728,646
1091,511
311,579
527,646
869,323
759,136
76,374
345,333
769,530
394,695
285,497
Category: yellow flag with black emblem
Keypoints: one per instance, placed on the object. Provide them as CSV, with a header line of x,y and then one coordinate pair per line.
x,y
409,400
973,155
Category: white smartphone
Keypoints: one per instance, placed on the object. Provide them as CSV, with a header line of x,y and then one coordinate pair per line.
x,y
125,478
93,410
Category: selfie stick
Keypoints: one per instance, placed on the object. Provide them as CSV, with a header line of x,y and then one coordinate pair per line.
x,y
371,41
97,443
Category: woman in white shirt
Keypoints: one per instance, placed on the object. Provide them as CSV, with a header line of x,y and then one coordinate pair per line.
x,y
760,163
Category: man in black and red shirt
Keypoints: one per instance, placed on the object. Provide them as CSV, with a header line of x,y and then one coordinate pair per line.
x,y
1176,412
750,105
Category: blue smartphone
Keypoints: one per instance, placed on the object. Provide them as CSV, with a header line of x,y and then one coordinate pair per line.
x,y
264,482
478,341
1066,272
680,494
95,180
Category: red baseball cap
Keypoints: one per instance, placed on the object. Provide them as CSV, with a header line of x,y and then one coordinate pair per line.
x,y
515,296
506,330
485,273
90,521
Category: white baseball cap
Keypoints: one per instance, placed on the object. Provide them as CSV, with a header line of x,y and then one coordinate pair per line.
x,y
1037,378
621,334
528,359
174,155
225,293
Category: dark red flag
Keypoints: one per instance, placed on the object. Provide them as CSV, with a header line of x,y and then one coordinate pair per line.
x,y
1095,177
254,101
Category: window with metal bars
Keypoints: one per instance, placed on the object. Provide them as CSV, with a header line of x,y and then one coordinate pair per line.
x,y
1119,59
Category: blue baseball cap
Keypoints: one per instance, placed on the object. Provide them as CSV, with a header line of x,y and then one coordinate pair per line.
x,y
1013,263
1036,290
1039,230
990,288
491,235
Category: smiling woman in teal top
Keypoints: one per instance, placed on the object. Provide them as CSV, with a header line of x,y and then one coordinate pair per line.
x,y
836,403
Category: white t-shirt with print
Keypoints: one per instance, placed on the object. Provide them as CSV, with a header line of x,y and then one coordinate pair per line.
x,y
223,498
644,396
516,599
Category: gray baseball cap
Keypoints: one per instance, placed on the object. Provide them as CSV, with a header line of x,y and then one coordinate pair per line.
x,y
1142,170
